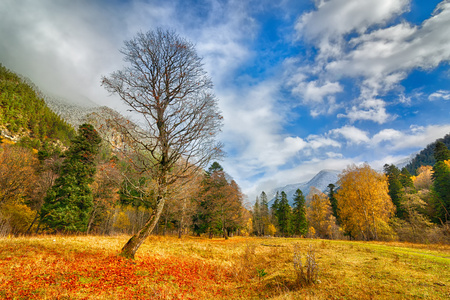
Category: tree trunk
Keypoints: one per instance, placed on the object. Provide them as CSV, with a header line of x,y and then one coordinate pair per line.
x,y
32,223
91,219
180,225
133,244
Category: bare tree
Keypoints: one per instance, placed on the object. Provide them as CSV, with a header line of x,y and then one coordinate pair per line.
x,y
166,85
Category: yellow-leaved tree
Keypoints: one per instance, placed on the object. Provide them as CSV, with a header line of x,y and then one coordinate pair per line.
x,y
364,203
319,214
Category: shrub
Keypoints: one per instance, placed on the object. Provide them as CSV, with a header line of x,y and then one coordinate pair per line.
x,y
306,273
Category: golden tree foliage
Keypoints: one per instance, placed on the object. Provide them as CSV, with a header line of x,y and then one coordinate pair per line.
x,y
423,180
17,173
319,214
364,203
18,182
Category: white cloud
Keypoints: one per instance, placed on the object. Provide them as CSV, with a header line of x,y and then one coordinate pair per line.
x,y
312,91
416,137
316,142
387,135
66,46
352,134
441,94
379,55
335,18
372,109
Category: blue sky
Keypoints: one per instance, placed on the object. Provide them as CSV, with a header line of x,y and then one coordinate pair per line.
x,y
303,85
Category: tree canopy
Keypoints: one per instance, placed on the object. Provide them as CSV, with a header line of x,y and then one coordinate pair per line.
x,y
363,201
164,82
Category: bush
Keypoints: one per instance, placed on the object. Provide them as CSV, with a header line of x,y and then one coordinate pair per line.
x,y
306,273
15,218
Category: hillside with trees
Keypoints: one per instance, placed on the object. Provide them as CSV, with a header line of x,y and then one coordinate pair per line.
x,y
426,156
25,116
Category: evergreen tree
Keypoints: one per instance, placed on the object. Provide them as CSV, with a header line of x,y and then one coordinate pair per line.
x,y
215,167
283,213
274,209
441,152
219,204
441,182
396,190
299,221
264,209
333,201
406,180
257,220
67,205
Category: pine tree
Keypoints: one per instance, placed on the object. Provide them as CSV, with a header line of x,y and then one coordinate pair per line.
x,y
274,209
396,190
333,201
299,221
257,220
441,152
406,180
283,213
441,182
68,203
264,209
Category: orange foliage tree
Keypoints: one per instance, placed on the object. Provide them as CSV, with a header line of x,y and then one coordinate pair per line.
x,y
364,203
18,184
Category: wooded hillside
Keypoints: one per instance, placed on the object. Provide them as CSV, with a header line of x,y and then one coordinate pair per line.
x,y
25,115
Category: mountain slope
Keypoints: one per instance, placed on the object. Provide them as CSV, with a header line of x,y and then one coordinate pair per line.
x,y
23,113
426,156
320,181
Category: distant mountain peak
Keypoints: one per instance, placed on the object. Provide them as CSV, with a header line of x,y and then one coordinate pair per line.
x,y
320,181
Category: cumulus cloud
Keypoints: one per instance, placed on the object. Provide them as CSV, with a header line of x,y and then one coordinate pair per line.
x,y
372,109
332,19
352,134
356,39
416,137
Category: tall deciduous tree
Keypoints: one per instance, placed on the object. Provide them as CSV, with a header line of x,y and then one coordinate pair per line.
x,y
364,203
68,203
166,85
319,214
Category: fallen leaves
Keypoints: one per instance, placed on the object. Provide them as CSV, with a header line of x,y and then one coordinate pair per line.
x,y
37,272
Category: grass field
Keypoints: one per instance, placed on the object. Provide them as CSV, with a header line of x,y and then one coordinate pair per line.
x,y
88,267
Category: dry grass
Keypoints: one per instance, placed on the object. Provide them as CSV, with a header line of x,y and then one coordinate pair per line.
x,y
87,267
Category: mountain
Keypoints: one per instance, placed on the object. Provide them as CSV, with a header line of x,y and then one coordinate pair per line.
x,y
24,115
30,116
426,156
320,181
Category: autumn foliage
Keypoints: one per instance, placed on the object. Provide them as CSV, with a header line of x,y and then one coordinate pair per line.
x,y
364,203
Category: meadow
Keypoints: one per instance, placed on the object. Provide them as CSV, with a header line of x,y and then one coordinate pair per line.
x,y
88,267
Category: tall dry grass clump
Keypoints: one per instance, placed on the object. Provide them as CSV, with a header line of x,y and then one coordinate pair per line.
x,y
307,272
